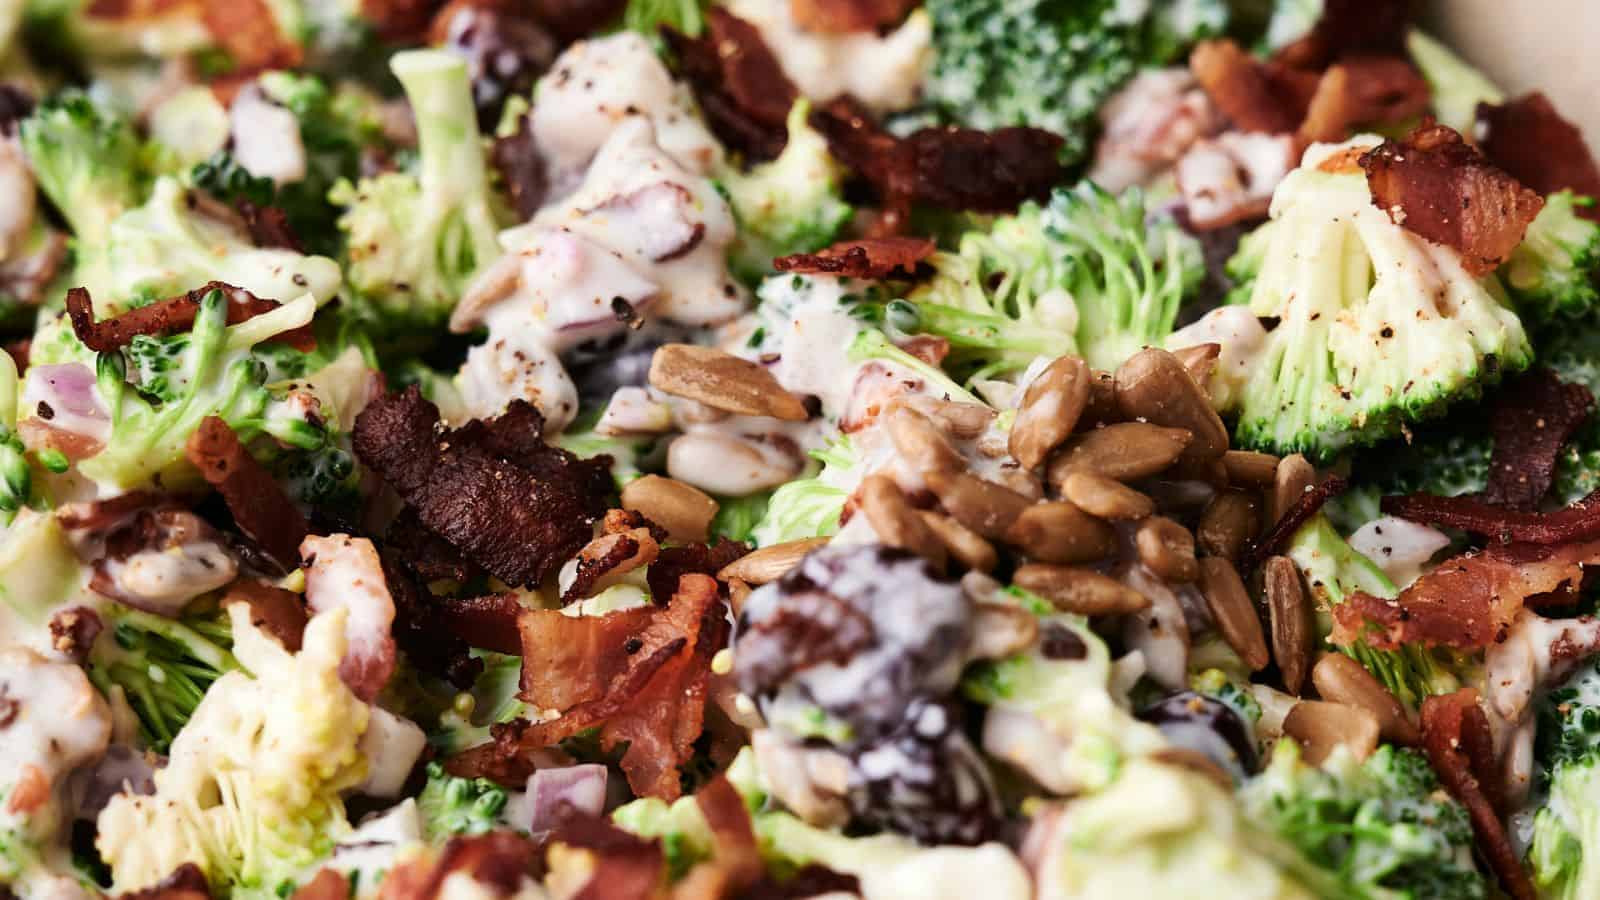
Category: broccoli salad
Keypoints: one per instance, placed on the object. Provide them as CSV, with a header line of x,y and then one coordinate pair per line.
x,y
734,449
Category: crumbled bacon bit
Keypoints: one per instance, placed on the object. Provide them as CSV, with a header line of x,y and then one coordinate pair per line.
x,y
571,20
500,862
1531,419
735,864
673,563
626,866
742,89
274,610
1544,151
1578,522
640,675
327,884
1438,186
263,512
1455,734
73,630
399,21
1256,96
171,315
1296,515
494,489
843,16
432,557
268,226
875,258
488,621
516,157
249,31
186,882
1351,28
607,558
421,629
1467,602
1366,90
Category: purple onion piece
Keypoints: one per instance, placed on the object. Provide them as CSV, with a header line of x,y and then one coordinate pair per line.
x,y
555,794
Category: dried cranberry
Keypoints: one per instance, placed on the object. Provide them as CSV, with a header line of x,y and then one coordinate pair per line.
x,y
1197,722
505,55
925,780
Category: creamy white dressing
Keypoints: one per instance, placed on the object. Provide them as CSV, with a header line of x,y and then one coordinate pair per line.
x,y
266,137
343,572
1148,125
1401,548
1241,337
164,580
883,72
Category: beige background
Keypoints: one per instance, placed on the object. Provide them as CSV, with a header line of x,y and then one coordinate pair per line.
x,y
1548,45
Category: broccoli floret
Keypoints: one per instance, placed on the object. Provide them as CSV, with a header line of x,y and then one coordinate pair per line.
x,y
737,517
648,16
1336,570
793,204
416,238
162,667
1568,825
452,806
492,700
1554,273
1457,87
1375,327
1379,829
16,479
87,160
811,507
209,372
1051,63
1084,274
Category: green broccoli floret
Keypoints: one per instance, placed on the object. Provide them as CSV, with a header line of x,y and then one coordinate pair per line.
x,y
209,371
1379,829
1375,327
811,507
1051,64
492,700
1457,87
793,204
737,517
1084,274
87,160
452,806
416,238
1567,828
1554,274
1336,570
161,666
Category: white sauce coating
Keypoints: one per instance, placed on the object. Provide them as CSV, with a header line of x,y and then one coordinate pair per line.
x,y
883,72
266,137
1399,547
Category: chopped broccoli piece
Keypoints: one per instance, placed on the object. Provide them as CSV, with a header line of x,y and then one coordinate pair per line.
x,y
87,160
416,238
1376,327
1052,63
737,517
1379,829
1457,87
1566,831
793,204
452,806
811,507
163,667
1554,273
1085,274
492,700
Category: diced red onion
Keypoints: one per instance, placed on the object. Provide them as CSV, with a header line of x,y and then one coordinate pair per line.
x,y
554,794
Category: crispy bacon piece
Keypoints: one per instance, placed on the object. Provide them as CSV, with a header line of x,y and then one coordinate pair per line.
x,y
875,258
1364,90
1468,602
494,489
400,21
1532,418
1351,28
432,557
327,884
1438,186
843,16
268,226
171,315
735,864
259,506
742,89
1578,522
666,573
422,631
186,882
1455,734
73,631
516,157
1293,517
639,675
1544,151
500,862
1256,96
572,20
127,10
607,558
489,621
249,32
274,610
626,866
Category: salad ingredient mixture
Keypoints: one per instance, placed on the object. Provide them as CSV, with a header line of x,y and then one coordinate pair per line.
x,y
1042,449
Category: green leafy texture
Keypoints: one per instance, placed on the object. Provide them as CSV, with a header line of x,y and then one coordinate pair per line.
x,y
1085,274
1457,87
1564,858
452,806
792,204
492,700
39,570
1376,329
1051,64
16,478
811,507
163,667
87,160
415,238
1290,21
648,16
737,517
1573,351
211,372
1554,274
1379,829
1335,570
